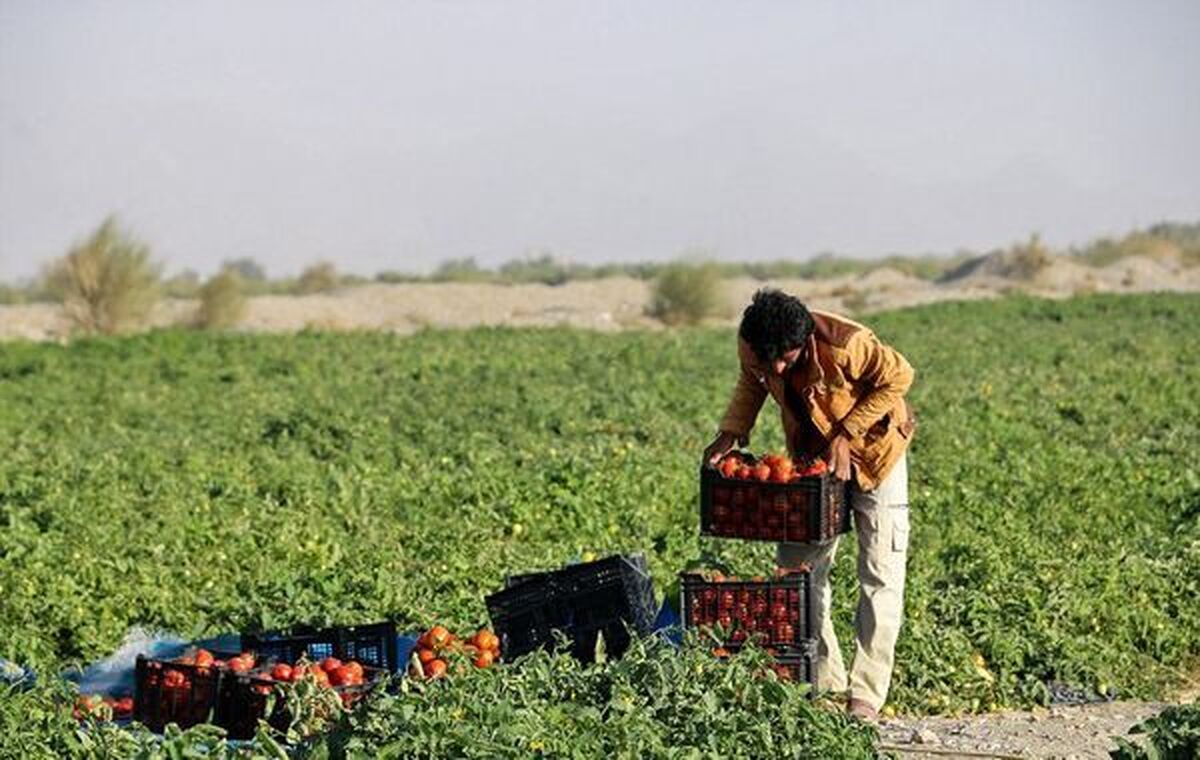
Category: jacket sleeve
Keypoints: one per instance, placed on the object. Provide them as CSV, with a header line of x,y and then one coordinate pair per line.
x,y
885,373
748,396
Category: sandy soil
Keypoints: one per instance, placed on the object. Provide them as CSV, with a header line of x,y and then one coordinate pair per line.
x,y
618,302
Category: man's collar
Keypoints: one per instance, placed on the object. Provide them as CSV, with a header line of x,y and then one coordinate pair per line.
x,y
810,373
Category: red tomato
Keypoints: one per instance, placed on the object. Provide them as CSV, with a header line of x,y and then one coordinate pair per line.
x,y
484,659
241,664
762,471
439,637
487,641
340,676
204,658
818,467
729,466
330,664
782,471
282,672
436,669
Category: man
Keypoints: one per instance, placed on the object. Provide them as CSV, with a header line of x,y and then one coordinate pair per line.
x,y
841,394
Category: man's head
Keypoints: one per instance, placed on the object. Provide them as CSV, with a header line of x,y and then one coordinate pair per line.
x,y
777,327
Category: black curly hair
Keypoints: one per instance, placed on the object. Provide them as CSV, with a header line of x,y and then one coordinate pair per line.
x,y
775,323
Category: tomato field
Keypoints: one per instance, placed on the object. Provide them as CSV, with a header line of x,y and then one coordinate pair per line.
x,y
203,483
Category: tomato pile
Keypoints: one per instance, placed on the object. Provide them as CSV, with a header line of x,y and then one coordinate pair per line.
x,y
773,468
328,672
774,498
760,611
94,705
438,644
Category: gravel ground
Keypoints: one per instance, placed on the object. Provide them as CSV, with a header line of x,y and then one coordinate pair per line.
x,y
1069,733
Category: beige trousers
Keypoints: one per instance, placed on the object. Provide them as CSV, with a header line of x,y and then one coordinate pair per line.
x,y
881,522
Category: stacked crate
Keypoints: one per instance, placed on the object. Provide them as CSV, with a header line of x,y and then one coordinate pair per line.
x,y
776,614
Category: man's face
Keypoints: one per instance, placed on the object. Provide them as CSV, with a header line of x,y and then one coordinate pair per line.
x,y
788,360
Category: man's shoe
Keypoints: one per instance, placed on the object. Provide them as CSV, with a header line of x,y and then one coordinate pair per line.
x,y
857,708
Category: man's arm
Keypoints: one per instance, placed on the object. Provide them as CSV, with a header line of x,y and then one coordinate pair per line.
x,y
885,371
748,396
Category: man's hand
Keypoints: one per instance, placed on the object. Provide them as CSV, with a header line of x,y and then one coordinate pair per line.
x,y
839,457
721,445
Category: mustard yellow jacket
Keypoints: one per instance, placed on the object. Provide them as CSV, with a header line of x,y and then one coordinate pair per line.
x,y
856,385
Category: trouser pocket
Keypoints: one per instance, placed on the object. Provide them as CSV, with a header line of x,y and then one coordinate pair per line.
x,y
899,521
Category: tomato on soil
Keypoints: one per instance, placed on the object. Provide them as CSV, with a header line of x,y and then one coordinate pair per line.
x,y
439,637
484,659
436,669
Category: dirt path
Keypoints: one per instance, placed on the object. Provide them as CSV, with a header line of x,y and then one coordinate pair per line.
x,y
1073,733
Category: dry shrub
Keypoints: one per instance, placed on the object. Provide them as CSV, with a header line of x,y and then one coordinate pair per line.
x,y
1026,260
108,283
687,293
222,301
318,278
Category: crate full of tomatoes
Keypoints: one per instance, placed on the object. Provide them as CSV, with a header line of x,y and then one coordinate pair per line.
x,y
371,644
773,498
233,690
245,695
772,612
796,664
182,691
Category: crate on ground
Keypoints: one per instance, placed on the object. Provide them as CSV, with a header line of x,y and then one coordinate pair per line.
x,y
609,597
798,665
173,691
244,697
372,644
793,664
772,612
808,509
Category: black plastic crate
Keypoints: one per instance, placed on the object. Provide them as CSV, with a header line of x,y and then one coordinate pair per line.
x,y
372,645
798,666
775,612
607,597
811,509
242,701
167,691
793,664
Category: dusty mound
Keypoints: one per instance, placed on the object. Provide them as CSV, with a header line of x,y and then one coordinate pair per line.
x,y
621,302
1020,263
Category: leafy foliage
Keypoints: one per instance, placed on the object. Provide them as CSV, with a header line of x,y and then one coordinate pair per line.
x,y
206,482
1174,734
654,702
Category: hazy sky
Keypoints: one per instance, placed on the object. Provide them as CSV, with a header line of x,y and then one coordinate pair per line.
x,y
393,135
